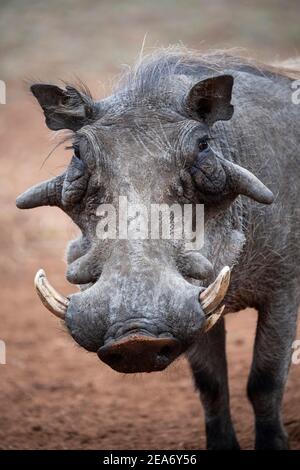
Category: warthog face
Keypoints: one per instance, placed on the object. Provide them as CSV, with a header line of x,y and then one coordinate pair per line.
x,y
142,301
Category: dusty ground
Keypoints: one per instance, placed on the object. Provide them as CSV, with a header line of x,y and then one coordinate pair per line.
x,y
53,394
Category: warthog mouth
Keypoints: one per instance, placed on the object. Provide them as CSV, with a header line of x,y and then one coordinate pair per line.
x,y
210,299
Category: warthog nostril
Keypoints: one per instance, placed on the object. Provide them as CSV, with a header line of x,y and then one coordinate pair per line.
x,y
140,353
114,358
165,351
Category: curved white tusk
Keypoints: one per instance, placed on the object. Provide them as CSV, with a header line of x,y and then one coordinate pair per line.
x,y
212,319
211,298
52,300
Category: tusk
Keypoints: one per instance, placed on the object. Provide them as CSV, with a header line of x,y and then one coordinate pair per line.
x,y
211,298
212,319
52,300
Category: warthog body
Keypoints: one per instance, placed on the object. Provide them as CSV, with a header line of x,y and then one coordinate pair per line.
x,y
182,128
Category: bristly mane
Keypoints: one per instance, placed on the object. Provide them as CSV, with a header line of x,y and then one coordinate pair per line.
x,y
154,70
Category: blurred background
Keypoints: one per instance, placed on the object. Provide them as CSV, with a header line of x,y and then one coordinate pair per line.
x,y
53,394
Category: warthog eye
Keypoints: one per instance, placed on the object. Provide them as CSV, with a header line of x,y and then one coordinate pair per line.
x,y
76,152
203,143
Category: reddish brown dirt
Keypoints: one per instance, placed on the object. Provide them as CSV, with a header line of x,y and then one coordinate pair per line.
x,y
55,395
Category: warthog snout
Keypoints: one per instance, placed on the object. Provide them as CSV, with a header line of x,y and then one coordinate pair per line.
x,y
137,326
140,353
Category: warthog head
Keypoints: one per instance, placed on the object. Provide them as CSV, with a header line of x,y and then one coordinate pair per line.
x,y
143,301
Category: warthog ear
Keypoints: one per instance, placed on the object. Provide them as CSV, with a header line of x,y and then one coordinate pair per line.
x,y
65,109
209,100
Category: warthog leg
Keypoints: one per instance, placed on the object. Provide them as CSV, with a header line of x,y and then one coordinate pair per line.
x,y
276,329
209,367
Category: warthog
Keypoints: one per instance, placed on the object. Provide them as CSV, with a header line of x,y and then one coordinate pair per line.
x,y
185,128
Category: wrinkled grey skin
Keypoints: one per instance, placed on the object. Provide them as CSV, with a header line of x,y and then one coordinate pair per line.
x,y
141,142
